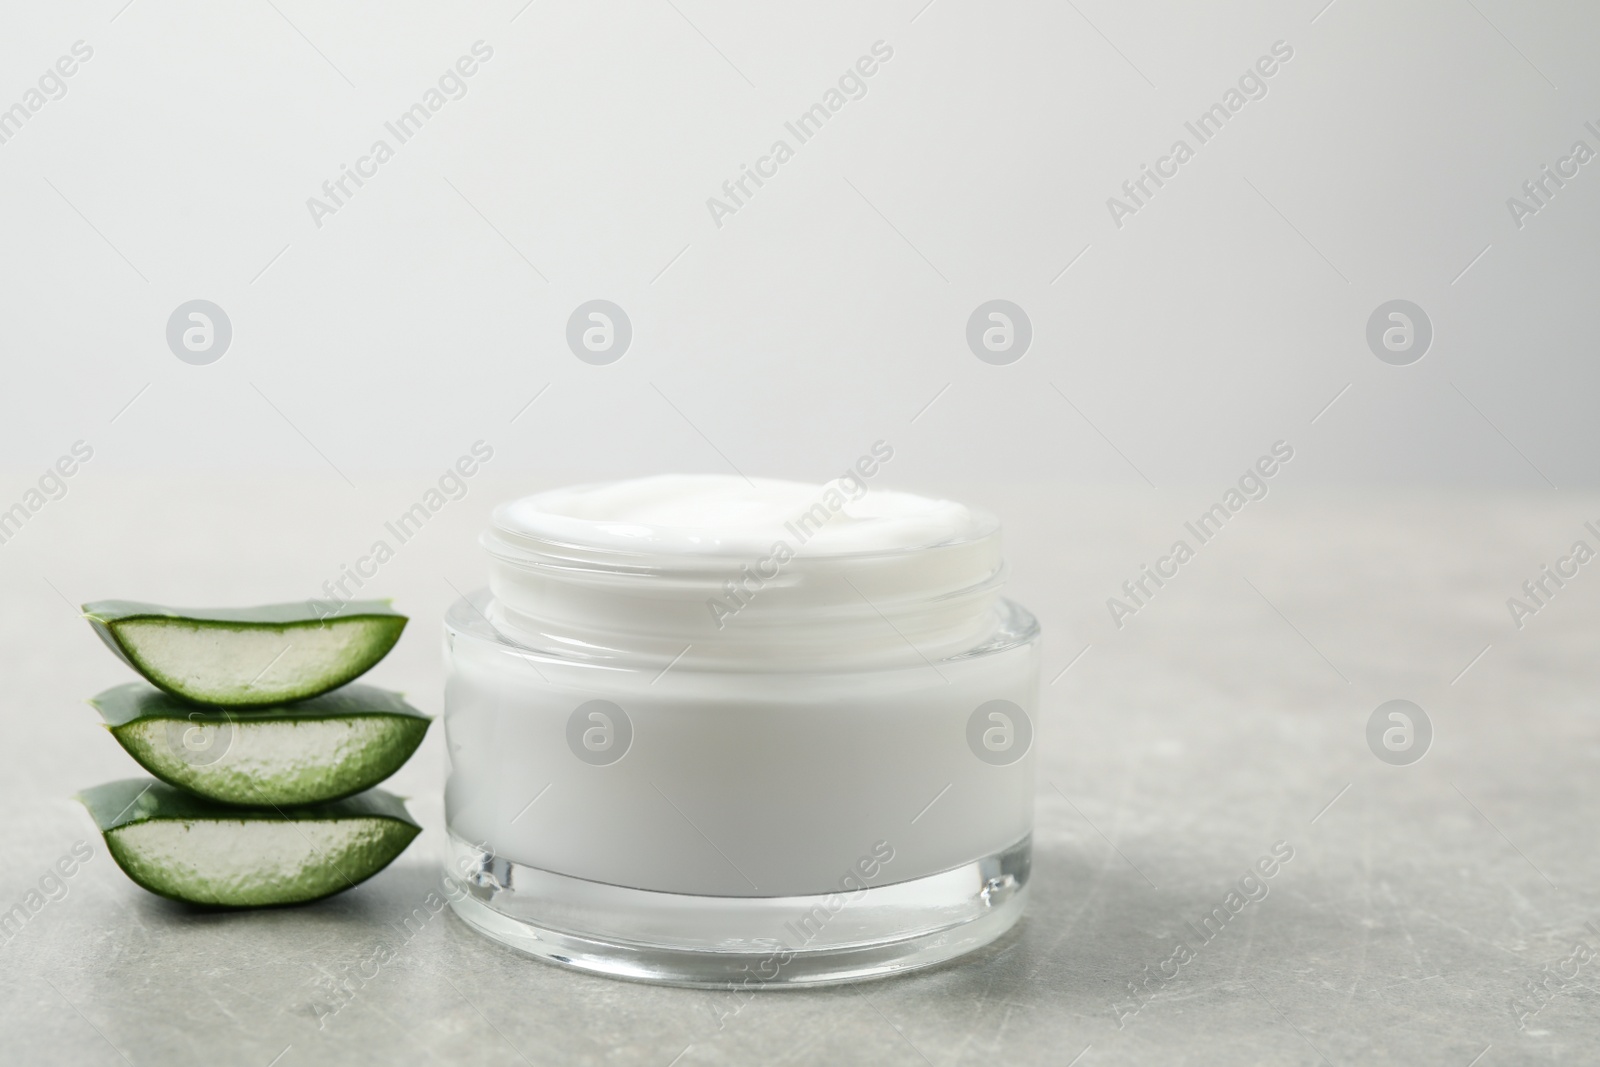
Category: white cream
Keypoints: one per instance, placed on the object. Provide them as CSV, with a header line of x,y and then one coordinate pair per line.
x,y
724,515
712,571
827,706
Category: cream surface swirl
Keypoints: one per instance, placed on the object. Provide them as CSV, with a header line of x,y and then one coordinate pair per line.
x,y
714,514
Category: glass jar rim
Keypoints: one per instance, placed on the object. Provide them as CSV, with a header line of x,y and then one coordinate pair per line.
x,y
573,582
476,616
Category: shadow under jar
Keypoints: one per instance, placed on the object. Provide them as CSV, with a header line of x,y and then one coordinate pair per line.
x,y
708,731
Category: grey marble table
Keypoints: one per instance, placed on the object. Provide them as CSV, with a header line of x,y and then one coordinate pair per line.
x,y
1428,914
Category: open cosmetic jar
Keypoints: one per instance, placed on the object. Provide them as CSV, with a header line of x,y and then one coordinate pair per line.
x,y
715,731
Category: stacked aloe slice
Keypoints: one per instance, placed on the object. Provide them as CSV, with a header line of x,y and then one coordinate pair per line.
x,y
264,753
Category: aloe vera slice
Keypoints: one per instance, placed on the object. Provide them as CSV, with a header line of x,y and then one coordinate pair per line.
x,y
247,657
324,748
186,848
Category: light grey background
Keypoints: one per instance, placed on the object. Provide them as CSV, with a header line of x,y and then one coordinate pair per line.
x,y
831,309
829,313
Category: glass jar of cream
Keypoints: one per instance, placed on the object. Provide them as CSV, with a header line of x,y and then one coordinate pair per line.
x,y
710,731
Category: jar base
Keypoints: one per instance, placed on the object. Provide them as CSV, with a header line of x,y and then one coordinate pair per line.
x,y
742,943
